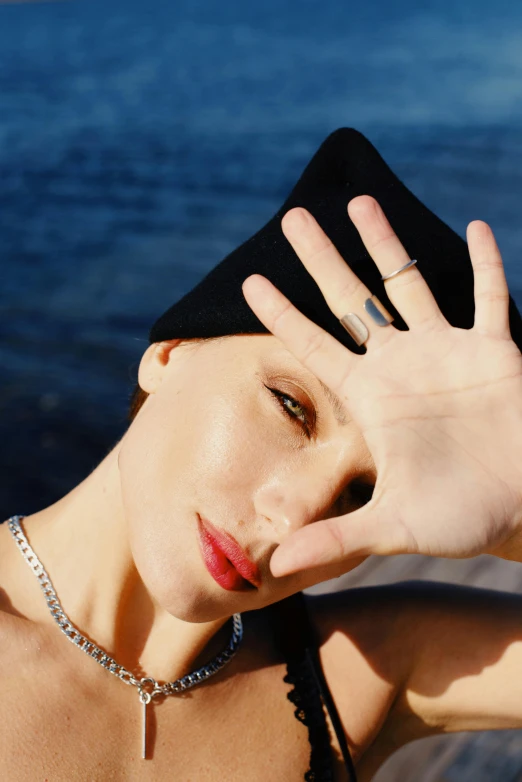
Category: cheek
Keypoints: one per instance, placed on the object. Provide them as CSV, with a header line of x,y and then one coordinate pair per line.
x,y
206,456
170,454
231,450
150,479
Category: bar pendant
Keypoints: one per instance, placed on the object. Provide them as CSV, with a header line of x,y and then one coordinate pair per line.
x,y
144,731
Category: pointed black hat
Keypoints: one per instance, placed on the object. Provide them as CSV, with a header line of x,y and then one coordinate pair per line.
x,y
345,165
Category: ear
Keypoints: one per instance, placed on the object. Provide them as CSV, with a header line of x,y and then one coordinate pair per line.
x,y
153,364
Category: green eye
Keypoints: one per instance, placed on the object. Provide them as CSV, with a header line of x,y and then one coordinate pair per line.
x,y
300,418
296,404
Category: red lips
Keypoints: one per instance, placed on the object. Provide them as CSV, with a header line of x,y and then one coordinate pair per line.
x,y
225,559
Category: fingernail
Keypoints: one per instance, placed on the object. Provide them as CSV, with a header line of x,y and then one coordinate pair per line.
x,y
281,565
297,220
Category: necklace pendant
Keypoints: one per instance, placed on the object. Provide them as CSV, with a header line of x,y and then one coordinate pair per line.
x,y
148,688
145,699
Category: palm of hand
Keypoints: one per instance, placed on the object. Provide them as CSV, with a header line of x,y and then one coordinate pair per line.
x,y
433,408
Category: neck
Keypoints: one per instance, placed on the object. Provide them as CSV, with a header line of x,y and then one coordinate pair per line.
x,y
81,540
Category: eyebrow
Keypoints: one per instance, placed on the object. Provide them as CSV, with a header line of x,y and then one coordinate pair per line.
x,y
336,404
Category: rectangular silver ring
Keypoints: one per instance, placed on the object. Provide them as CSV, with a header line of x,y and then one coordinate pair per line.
x,y
377,312
355,327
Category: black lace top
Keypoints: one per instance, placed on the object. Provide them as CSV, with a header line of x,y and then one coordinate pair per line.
x,y
296,640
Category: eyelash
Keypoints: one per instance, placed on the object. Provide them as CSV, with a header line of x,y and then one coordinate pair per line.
x,y
280,396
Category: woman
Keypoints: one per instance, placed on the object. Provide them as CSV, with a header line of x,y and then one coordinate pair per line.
x,y
246,475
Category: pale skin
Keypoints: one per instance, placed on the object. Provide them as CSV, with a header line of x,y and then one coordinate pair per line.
x,y
122,553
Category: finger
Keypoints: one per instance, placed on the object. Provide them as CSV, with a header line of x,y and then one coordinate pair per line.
x,y
342,289
333,541
408,291
314,347
490,286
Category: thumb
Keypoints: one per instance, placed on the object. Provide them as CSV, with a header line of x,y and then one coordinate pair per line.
x,y
333,541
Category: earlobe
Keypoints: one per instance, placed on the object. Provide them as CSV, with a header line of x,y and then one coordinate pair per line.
x,y
147,372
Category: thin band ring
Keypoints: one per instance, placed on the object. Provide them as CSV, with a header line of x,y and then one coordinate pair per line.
x,y
406,266
353,324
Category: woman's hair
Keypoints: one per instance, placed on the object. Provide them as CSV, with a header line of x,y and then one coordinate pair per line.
x,y
138,395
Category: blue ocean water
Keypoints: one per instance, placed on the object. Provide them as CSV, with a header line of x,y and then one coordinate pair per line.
x,y
141,142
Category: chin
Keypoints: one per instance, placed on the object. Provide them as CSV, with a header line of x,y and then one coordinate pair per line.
x,y
192,595
174,574
204,606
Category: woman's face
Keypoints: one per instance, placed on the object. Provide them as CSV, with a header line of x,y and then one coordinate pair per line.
x,y
237,432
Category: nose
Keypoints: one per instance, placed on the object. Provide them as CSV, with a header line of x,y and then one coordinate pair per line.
x,y
300,496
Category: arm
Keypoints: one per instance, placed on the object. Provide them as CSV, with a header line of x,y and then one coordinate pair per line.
x,y
413,659
465,661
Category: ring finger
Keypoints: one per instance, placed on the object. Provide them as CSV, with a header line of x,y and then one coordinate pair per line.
x,y
408,291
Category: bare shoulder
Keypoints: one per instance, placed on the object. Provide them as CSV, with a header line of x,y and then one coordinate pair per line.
x,y
383,622
16,630
370,624
390,652
14,635
363,643
382,627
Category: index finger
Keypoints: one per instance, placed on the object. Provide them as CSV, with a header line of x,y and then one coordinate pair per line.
x,y
314,347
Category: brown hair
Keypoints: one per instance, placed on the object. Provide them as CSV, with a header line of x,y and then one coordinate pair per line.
x,y
138,395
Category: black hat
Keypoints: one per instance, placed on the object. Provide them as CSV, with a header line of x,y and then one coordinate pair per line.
x,y
345,165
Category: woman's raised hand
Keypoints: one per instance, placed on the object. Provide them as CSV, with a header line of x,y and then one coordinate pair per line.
x,y
440,408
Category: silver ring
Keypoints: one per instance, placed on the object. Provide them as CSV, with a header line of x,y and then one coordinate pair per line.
x,y
406,266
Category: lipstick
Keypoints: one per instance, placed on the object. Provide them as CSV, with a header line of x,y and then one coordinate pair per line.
x,y
225,560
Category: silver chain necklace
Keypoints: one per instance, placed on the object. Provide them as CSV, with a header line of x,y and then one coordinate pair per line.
x,y
148,688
